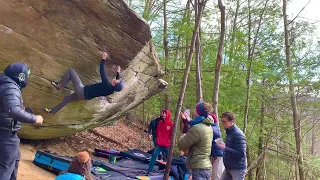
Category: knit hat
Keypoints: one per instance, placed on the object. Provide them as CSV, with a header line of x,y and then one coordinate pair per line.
x,y
200,110
119,86
18,72
83,157
214,117
81,164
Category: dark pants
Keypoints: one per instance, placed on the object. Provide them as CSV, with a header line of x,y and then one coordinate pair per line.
x,y
155,154
201,174
154,140
174,171
233,174
77,86
9,155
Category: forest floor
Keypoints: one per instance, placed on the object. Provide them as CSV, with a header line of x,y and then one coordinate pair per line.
x,y
120,137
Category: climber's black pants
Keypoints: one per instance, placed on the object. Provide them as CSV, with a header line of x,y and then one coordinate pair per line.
x,y
77,86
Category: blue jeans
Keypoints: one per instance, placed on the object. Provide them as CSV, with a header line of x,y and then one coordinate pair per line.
x,y
155,155
233,175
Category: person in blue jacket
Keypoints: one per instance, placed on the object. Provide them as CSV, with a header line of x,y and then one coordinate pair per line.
x,y
216,152
152,129
12,115
104,88
234,158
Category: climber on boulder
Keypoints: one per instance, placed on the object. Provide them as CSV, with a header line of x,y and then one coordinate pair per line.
x,y
88,92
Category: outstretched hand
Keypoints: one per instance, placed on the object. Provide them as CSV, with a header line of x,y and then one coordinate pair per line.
x,y
39,120
104,55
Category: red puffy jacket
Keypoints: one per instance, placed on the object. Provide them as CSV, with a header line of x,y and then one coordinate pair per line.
x,y
164,131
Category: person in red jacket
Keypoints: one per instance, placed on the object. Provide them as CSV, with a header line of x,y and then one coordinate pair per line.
x,y
163,141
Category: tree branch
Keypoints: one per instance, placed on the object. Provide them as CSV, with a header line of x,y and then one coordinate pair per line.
x,y
299,12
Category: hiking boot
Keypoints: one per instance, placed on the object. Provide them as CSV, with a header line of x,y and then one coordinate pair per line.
x,y
56,85
46,110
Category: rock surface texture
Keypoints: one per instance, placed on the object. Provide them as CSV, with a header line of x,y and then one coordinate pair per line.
x,y
53,36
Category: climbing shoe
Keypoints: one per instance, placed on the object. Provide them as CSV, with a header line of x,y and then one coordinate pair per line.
x,y
47,110
56,85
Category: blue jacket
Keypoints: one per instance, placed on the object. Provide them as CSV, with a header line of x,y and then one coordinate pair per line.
x,y
12,111
234,157
215,151
153,126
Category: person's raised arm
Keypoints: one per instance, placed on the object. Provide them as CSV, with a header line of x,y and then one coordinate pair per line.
x,y
104,77
118,68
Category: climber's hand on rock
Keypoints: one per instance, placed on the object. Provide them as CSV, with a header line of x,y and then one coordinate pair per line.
x,y
104,55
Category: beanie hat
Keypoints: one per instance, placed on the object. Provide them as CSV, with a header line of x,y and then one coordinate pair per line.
x,y
83,157
200,110
118,87
18,72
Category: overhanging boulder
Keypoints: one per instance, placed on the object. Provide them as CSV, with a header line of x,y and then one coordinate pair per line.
x,y
53,36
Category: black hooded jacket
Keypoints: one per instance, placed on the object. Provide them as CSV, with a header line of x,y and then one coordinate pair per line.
x,y
12,111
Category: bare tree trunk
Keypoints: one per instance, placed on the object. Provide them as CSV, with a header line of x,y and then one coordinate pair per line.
x,y
295,112
278,168
187,15
147,9
313,137
179,42
183,88
260,144
234,31
198,59
250,58
215,98
166,52
296,170
144,120
173,80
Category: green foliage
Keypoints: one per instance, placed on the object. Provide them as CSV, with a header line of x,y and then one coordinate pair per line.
x,y
268,83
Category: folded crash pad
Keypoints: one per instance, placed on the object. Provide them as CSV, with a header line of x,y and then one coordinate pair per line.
x,y
56,163
104,174
51,162
108,151
159,177
129,163
137,155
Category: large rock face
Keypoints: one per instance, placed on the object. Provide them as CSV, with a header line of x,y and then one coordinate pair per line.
x,y
52,36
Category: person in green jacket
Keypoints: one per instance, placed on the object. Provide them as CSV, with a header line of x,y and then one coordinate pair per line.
x,y
198,140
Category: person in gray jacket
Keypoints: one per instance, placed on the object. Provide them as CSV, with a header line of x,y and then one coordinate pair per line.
x,y
12,115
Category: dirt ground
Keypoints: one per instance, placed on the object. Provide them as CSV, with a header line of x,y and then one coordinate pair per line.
x,y
120,137
27,170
